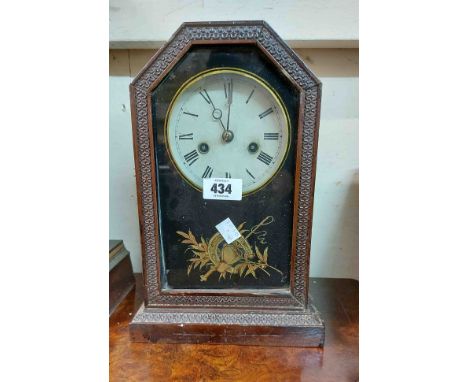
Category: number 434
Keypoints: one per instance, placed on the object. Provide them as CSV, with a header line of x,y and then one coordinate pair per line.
x,y
219,188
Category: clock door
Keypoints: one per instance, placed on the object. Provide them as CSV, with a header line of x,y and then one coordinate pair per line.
x,y
225,111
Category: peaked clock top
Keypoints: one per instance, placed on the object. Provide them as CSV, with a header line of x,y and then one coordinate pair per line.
x,y
258,32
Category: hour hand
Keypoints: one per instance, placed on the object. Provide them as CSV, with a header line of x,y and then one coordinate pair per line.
x,y
217,113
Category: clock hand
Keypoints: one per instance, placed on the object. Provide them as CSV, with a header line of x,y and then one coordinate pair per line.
x,y
217,113
229,101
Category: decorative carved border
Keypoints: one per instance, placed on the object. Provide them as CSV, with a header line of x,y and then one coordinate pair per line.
x,y
260,33
148,315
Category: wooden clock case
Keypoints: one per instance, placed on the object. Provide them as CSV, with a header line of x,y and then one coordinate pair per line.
x,y
247,316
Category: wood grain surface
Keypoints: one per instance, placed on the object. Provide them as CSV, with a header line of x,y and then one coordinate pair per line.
x,y
337,301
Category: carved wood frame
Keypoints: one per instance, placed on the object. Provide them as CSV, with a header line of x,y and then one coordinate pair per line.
x,y
261,35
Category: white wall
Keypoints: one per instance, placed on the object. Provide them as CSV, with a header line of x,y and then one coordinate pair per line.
x,y
335,228
137,24
335,251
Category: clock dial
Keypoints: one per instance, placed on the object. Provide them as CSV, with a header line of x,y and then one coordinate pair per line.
x,y
227,123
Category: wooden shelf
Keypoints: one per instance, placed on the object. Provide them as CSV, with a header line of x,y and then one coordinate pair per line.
x,y
337,300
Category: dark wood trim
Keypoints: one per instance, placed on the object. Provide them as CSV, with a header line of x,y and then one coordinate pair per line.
x,y
121,281
303,329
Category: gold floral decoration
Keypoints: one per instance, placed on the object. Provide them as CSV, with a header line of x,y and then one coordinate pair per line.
x,y
236,258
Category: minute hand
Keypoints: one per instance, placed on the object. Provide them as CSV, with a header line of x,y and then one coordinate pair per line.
x,y
229,102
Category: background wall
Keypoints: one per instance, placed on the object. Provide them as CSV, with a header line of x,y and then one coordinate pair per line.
x,y
334,250
138,24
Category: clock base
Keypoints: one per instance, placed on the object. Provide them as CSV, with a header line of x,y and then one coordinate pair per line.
x,y
272,328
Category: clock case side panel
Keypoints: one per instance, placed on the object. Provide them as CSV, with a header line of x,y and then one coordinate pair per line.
x,y
147,198
306,156
306,163
147,214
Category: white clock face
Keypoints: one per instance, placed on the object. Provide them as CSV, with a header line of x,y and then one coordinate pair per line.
x,y
227,123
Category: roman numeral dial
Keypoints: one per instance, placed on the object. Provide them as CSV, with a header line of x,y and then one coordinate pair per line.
x,y
191,157
208,172
227,123
271,136
265,113
188,136
265,158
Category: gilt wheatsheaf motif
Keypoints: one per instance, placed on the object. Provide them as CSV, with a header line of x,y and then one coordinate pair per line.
x,y
239,258
265,38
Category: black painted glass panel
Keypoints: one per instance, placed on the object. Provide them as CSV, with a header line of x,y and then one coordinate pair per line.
x,y
193,256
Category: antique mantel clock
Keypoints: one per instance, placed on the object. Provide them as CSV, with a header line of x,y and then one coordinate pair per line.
x,y
225,122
